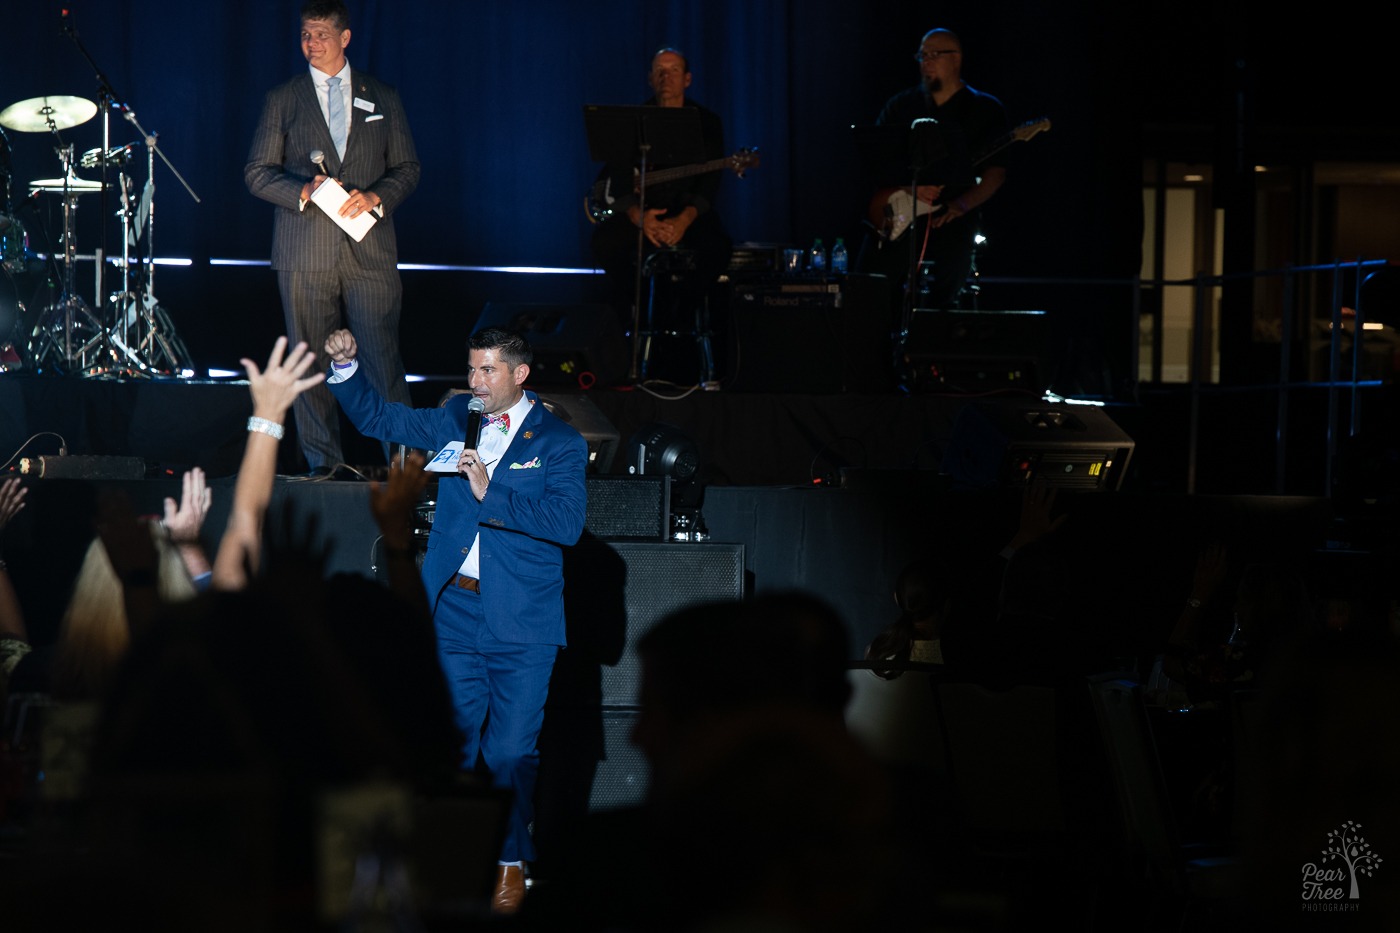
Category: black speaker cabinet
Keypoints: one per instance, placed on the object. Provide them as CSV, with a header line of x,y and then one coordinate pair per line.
x,y
624,773
661,579
977,350
587,763
615,591
622,507
816,336
1012,442
578,345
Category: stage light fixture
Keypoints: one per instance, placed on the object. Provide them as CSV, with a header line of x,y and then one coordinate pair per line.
x,y
659,449
662,449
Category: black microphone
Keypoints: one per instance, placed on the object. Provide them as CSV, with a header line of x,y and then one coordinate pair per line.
x,y
474,409
65,25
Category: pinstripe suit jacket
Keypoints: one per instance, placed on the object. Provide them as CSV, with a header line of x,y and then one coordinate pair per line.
x,y
379,157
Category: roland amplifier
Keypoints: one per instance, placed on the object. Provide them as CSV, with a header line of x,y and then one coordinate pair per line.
x,y
792,292
817,335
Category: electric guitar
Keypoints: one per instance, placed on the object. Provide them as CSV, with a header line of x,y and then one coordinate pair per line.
x,y
598,203
893,210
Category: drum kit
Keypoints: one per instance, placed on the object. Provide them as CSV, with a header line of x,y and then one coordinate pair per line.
x,y
129,334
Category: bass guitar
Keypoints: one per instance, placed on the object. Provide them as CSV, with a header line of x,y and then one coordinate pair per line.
x,y
894,210
599,201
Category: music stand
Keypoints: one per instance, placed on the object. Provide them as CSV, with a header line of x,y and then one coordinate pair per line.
x,y
639,136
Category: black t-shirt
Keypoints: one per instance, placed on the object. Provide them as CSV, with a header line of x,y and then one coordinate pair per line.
x,y
697,191
965,127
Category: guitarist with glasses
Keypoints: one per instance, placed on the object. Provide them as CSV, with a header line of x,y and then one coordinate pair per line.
x,y
679,213
950,124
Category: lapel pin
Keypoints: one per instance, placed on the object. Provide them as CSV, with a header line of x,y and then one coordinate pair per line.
x,y
529,434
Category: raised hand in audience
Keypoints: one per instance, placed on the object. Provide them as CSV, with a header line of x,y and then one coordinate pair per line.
x,y
273,388
12,493
183,523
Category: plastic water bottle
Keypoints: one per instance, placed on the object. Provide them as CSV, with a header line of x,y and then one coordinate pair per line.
x,y
838,256
816,259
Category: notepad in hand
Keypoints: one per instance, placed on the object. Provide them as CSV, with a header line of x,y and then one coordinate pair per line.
x,y
329,197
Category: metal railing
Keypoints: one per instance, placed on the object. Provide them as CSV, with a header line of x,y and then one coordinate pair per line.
x,y
1337,386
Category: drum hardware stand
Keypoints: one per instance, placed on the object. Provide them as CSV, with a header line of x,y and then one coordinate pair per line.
x,y
61,334
141,324
164,350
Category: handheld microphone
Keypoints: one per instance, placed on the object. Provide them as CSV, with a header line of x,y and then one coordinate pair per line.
x,y
474,409
319,158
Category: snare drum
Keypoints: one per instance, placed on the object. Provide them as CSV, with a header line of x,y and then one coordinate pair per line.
x,y
14,244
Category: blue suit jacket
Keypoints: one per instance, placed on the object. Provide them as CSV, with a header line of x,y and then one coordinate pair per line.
x,y
533,508
379,157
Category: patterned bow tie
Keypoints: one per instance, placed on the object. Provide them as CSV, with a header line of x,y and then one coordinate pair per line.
x,y
498,421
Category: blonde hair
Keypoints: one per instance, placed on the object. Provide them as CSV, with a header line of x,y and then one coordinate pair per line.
x,y
94,634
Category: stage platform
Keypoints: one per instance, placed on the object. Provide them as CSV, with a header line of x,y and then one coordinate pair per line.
x,y
1237,447
831,493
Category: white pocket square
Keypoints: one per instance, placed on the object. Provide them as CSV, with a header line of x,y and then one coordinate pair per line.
x,y
371,119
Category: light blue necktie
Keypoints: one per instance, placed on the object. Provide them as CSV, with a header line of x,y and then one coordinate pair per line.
x,y
335,115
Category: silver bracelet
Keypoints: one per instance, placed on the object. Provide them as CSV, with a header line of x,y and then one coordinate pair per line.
x,y
263,426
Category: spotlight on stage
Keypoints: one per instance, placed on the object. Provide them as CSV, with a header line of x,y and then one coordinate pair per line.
x,y
658,449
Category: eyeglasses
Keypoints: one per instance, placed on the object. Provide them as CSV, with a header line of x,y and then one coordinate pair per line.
x,y
933,54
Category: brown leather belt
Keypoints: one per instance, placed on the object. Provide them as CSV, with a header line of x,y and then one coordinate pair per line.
x,y
468,583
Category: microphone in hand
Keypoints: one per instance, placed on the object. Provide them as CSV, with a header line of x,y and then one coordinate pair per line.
x,y
474,410
319,158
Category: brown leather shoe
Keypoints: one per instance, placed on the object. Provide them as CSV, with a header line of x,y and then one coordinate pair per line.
x,y
510,889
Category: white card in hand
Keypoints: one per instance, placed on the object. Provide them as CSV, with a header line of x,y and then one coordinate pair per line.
x,y
329,196
446,459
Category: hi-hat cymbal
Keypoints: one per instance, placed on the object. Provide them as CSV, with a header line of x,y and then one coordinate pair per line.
x,y
40,114
71,184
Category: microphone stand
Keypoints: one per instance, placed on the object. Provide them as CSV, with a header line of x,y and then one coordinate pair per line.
x,y
641,249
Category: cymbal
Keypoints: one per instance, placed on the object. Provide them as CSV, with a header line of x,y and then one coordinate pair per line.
x,y
74,185
34,115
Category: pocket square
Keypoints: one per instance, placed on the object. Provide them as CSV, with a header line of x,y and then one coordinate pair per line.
x,y
377,116
528,465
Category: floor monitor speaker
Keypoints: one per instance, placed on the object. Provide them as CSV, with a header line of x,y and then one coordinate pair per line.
x,y
1012,442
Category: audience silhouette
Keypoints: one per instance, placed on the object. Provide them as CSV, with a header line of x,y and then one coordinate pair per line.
x,y
240,701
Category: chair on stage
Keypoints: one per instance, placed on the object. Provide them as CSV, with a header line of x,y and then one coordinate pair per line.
x,y
1197,884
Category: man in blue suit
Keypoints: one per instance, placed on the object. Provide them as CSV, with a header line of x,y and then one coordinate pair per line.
x,y
326,278
494,567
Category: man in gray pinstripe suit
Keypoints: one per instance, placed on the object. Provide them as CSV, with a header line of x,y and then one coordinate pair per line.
x,y
326,279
